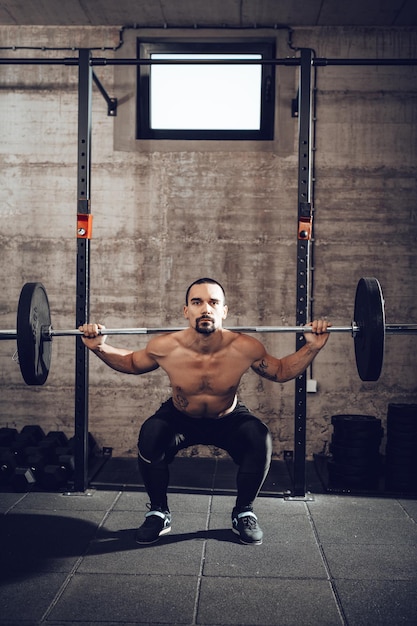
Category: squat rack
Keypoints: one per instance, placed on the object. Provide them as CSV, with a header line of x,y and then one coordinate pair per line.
x,y
85,62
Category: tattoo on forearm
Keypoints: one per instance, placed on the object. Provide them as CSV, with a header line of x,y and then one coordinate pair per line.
x,y
261,368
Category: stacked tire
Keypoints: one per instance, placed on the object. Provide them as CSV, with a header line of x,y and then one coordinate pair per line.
x,y
401,449
356,460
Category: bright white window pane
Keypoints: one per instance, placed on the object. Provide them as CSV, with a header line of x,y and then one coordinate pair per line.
x,y
205,97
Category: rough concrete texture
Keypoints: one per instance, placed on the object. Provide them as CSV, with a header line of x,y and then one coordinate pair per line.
x,y
167,214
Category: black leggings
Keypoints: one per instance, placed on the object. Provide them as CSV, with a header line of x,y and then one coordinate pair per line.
x,y
240,433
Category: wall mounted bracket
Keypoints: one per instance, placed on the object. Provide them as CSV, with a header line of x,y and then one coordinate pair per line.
x,y
111,102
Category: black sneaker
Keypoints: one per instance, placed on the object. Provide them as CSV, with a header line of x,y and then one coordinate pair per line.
x,y
156,523
245,524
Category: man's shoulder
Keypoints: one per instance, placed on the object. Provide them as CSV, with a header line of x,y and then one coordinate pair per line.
x,y
161,344
175,336
247,344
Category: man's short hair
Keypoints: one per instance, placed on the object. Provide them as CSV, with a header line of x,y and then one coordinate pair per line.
x,y
202,281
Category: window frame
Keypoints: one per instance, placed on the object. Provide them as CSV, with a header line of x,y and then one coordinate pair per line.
x,y
264,47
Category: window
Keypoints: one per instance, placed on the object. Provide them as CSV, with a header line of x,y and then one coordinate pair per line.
x,y
203,100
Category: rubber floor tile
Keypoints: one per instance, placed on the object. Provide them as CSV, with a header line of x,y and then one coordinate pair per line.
x,y
115,550
91,500
127,598
27,598
372,561
383,603
267,602
248,562
33,542
370,530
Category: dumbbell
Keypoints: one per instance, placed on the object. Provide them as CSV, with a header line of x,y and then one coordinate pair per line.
x,y
7,465
57,473
28,436
32,460
7,436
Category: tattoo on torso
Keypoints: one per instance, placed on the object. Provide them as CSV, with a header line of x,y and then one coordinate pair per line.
x,y
180,400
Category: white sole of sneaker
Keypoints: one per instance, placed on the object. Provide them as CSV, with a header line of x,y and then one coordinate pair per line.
x,y
164,531
247,543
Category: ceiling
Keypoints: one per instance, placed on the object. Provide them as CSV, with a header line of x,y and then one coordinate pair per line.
x,y
208,13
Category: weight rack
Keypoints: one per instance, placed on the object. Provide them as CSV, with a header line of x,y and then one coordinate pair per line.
x,y
85,62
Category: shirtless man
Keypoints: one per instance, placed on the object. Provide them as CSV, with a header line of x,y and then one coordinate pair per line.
x,y
205,363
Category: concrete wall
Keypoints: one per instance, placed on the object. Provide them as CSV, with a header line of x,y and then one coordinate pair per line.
x,y
167,214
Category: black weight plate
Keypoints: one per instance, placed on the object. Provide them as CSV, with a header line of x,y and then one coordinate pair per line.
x,y
399,410
393,460
33,314
353,456
353,422
362,480
402,441
336,447
405,470
362,436
402,477
351,467
402,418
400,487
354,468
356,430
353,418
401,451
369,316
400,482
402,429
342,431
365,445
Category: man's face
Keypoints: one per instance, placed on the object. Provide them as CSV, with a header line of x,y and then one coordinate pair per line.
x,y
205,310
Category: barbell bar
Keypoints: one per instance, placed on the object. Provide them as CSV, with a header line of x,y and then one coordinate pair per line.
x,y
34,331
49,333
353,329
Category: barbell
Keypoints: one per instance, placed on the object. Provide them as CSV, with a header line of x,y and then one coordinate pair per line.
x,y
34,331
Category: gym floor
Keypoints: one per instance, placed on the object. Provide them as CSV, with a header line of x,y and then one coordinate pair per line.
x,y
327,559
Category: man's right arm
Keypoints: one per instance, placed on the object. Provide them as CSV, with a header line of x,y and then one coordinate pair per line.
x,y
119,359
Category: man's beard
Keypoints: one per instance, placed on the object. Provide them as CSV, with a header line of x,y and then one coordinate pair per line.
x,y
205,330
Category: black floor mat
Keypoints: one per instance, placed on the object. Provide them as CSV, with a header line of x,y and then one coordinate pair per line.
x,y
379,489
200,475
213,475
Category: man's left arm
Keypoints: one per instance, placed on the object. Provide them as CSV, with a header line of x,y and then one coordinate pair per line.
x,y
291,366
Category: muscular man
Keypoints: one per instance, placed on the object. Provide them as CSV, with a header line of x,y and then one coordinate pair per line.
x,y
205,363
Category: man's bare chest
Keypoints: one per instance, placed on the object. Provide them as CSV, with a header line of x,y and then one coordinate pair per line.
x,y
211,374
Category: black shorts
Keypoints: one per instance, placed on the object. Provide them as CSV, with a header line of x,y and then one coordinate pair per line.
x,y
168,431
